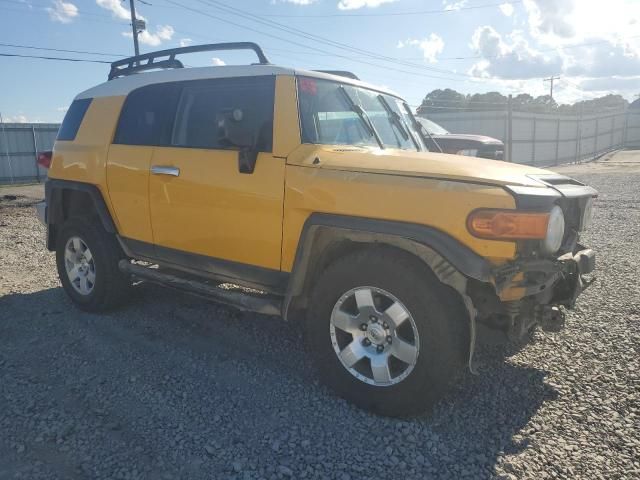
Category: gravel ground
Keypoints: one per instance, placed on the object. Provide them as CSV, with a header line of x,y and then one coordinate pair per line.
x,y
176,387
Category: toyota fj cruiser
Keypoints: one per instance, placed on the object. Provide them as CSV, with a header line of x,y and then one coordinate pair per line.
x,y
315,191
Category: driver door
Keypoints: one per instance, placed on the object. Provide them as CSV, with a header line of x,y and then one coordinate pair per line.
x,y
205,213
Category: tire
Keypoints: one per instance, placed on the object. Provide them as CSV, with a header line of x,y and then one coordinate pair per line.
x,y
106,286
434,311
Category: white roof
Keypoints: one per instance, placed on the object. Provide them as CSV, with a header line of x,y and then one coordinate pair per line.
x,y
124,85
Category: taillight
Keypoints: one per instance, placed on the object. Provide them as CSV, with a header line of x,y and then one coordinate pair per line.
x,y
44,159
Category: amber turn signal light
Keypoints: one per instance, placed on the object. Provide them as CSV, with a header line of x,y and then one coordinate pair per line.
x,y
508,224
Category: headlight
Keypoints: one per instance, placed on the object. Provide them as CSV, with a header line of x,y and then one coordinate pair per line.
x,y
555,231
470,152
586,214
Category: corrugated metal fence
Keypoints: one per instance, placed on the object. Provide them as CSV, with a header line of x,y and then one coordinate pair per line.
x,y
19,144
548,139
530,138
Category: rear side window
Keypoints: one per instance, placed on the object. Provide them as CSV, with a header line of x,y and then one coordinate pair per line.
x,y
203,102
147,115
73,119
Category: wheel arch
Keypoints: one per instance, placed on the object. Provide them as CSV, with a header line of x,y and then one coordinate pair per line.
x,y
65,199
326,238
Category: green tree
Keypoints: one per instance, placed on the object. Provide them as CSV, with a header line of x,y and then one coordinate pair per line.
x,y
442,101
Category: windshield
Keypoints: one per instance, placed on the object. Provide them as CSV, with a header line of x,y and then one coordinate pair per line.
x,y
432,127
333,113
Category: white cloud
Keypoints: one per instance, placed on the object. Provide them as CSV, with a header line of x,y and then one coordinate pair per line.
x,y
355,4
511,57
62,109
506,9
185,42
16,119
603,59
116,8
618,84
596,42
163,33
430,46
552,17
63,12
455,5
217,62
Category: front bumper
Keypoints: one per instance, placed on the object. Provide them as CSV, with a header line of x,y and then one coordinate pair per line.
x,y
530,292
561,279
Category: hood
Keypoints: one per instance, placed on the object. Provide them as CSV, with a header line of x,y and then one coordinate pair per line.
x,y
416,164
470,138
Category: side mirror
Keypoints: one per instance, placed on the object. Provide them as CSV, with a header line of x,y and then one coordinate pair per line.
x,y
233,131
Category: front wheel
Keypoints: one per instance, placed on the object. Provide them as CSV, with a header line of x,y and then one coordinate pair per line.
x,y
384,333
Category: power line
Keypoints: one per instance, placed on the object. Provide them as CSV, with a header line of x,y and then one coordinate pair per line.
x,y
553,49
33,47
374,14
53,58
326,41
206,14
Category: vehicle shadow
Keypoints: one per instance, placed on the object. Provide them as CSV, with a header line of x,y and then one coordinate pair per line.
x,y
207,350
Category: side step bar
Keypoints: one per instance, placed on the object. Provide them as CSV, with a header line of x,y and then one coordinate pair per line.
x,y
241,301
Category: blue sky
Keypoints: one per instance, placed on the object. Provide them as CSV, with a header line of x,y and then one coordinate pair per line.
x,y
507,46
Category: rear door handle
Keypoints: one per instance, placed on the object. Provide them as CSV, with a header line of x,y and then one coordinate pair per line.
x,y
162,170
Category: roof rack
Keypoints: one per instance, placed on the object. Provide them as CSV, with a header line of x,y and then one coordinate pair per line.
x,y
339,73
130,65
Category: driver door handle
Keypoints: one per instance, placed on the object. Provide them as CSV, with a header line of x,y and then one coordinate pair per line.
x,y
164,170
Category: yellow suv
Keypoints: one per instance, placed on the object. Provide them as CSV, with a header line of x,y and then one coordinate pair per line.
x,y
314,193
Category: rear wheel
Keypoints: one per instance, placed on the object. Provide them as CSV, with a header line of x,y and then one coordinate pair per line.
x,y
87,259
384,333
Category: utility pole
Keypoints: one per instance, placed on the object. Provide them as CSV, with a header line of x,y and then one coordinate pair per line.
x,y
134,27
550,79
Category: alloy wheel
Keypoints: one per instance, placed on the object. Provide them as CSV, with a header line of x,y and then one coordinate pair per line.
x,y
374,336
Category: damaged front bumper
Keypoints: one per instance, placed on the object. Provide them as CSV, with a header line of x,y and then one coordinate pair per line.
x,y
561,279
530,292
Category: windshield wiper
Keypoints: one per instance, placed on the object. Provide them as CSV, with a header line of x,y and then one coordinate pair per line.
x,y
395,118
366,121
418,126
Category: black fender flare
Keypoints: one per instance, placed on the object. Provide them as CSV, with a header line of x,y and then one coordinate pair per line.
x,y
460,257
54,189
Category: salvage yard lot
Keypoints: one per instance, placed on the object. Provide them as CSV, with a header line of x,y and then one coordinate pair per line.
x,y
172,386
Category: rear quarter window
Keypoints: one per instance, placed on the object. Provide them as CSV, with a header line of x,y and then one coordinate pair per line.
x,y
73,119
147,115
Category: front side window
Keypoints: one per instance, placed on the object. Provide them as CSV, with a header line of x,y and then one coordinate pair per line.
x,y
333,113
203,103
